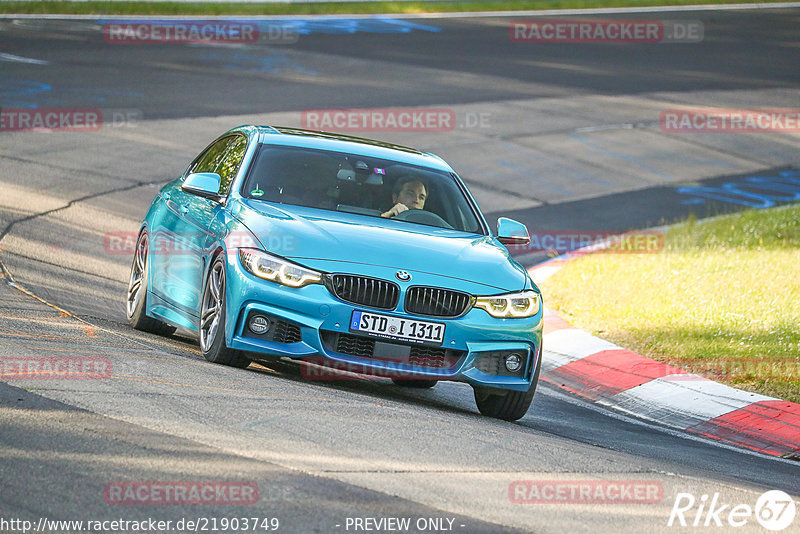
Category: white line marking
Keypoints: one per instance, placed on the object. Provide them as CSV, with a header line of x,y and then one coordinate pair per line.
x,y
20,59
604,127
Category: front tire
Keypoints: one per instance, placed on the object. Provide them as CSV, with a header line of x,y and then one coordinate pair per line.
x,y
212,320
136,302
507,405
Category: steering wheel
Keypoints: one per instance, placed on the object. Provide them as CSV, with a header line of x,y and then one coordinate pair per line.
x,y
423,217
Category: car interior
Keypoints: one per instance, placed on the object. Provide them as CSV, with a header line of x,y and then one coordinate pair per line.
x,y
353,184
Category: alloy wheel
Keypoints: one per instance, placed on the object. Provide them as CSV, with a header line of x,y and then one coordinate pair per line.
x,y
137,274
212,306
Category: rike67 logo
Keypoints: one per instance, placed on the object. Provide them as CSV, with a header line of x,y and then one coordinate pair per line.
x,y
774,510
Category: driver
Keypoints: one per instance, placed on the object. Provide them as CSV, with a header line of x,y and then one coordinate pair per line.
x,y
408,193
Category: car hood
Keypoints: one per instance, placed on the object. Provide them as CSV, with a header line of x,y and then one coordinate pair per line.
x,y
341,242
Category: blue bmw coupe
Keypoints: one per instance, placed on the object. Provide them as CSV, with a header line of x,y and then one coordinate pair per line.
x,y
350,253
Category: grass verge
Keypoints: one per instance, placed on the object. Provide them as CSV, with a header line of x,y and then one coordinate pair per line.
x,y
722,300
326,8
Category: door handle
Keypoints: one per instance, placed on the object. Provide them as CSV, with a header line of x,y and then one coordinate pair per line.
x,y
184,210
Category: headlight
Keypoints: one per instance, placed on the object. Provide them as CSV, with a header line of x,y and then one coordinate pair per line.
x,y
277,269
510,306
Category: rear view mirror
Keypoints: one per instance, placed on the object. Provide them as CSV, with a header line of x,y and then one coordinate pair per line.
x,y
374,179
511,232
346,174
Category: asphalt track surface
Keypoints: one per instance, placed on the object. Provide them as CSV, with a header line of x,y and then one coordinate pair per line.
x,y
568,143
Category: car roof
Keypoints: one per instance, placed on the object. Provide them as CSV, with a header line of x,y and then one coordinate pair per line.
x,y
281,135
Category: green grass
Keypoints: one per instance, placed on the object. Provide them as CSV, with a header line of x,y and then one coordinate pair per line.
x,y
211,8
722,299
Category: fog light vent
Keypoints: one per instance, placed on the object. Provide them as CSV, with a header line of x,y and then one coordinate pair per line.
x,y
503,362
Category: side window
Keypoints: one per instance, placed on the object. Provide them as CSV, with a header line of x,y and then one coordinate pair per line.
x,y
230,165
213,156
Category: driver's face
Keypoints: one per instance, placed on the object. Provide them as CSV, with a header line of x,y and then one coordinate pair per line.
x,y
413,195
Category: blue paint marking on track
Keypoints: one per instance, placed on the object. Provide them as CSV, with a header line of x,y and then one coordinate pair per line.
x,y
301,26
18,93
757,192
28,94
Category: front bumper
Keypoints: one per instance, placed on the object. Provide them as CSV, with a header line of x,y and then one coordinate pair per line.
x,y
312,324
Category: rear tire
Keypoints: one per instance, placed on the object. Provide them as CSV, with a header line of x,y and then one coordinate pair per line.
x,y
419,384
507,405
136,302
212,320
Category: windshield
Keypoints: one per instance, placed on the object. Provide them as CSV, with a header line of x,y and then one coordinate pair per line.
x,y
358,184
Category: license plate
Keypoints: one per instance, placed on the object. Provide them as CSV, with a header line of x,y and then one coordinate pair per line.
x,y
399,328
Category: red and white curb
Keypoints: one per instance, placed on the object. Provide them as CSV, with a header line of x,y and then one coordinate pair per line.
x,y
612,376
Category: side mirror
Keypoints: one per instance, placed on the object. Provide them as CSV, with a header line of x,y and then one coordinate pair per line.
x,y
511,232
203,184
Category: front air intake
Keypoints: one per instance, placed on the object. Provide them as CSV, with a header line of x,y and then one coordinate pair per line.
x,y
365,291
